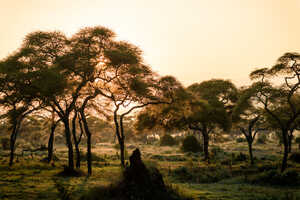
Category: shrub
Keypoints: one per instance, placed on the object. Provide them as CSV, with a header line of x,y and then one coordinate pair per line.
x,y
5,143
191,144
239,157
167,140
262,139
295,157
274,177
240,140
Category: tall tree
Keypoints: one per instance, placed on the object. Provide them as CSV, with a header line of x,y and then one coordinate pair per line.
x,y
129,85
273,98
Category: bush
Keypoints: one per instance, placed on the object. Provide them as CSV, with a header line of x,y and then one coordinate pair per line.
x,y
295,157
167,140
191,144
262,139
5,143
239,157
240,140
274,177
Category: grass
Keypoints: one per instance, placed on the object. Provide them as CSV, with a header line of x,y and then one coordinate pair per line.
x,y
32,179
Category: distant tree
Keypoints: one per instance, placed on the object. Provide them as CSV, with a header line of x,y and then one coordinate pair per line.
x,y
212,107
248,118
201,107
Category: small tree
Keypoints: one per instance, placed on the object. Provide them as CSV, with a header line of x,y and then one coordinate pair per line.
x,y
248,118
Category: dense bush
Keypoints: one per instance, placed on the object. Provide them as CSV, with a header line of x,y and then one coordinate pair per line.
x,y
262,139
274,177
295,157
167,140
5,143
191,144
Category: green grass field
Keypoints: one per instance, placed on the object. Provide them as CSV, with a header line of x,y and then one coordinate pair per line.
x,y
186,173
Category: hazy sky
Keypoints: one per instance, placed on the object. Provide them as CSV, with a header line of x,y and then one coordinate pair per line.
x,y
194,40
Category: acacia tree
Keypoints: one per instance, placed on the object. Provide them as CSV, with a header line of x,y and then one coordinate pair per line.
x,y
130,85
283,112
19,90
201,107
248,118
273,98
212,106
74,60
88,55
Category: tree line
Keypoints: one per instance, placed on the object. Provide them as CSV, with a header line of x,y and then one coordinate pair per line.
x,y
91,73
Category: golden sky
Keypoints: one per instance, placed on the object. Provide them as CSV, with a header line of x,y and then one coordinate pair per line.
x,y
194,40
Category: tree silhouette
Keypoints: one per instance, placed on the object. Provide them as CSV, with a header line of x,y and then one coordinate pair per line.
x,y
273,98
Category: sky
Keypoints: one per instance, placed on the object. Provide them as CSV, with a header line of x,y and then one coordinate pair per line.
x,y
193,40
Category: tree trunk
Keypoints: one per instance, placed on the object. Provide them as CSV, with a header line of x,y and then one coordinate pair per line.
x,y
89,146
69,143
286,150
250,151
290,139
50,143
122,152
205,143
76,142
89,153
122,142
13,138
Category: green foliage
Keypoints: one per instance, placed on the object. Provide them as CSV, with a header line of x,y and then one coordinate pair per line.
x,y
191,144
167,140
